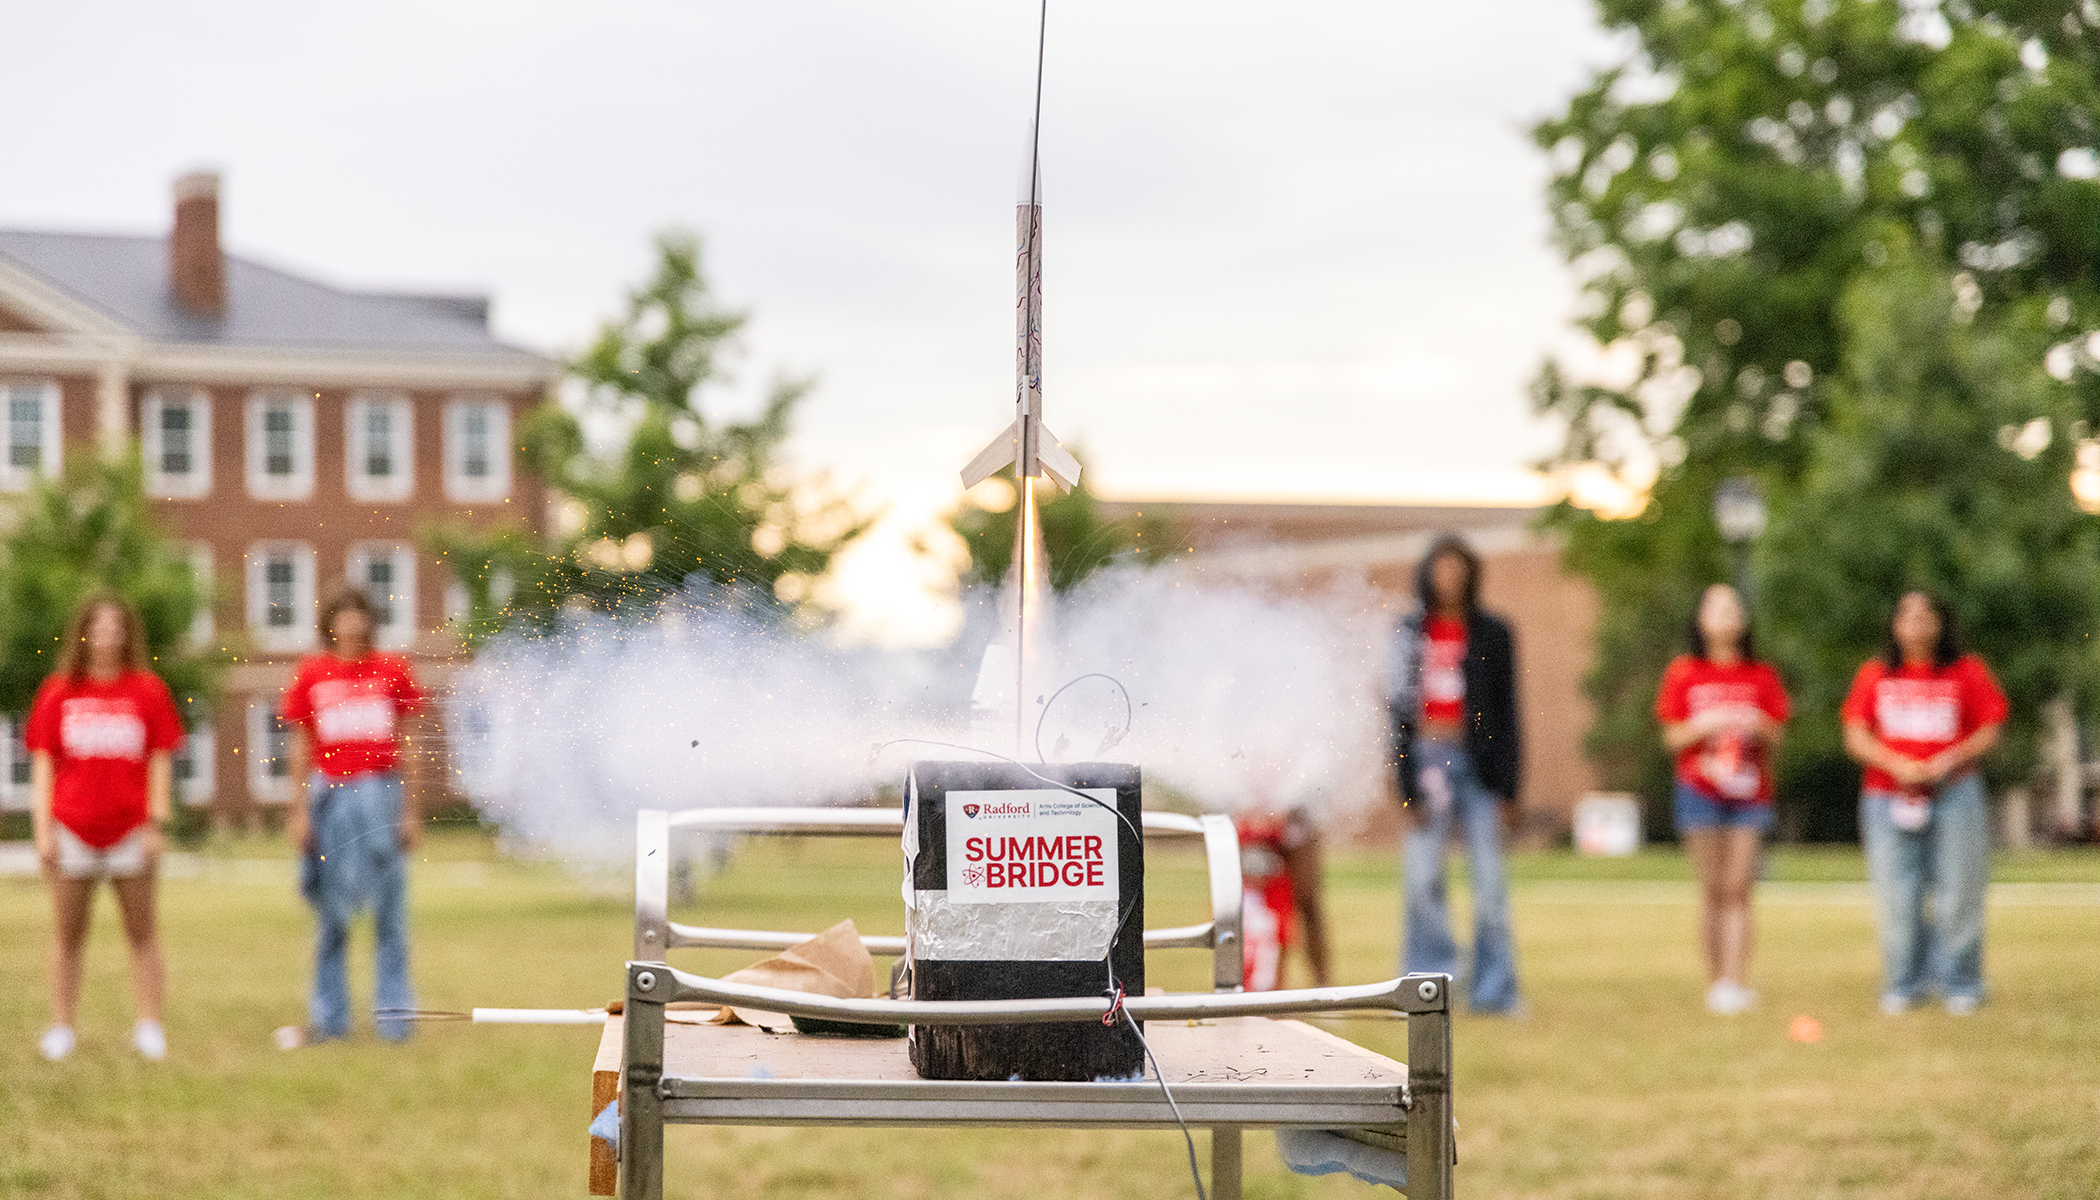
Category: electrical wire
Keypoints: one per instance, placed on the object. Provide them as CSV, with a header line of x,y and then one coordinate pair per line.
x,y
1195,1173
1115,986
1129,712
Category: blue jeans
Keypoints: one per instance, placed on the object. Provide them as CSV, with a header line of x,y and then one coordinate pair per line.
x,y
1951,857
1449,791
1697,810
357,864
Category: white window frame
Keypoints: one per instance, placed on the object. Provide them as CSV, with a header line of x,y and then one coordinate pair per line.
x,y
398,632
299,485
459,486
50,434
196,482
299,635
361,485
14,795
204,624
199,748
262,785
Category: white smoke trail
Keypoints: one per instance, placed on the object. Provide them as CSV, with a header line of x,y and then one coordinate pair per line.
x,y
1244,697
1236,697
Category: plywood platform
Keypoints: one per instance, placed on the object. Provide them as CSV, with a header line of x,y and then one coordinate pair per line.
x,y
1248,1071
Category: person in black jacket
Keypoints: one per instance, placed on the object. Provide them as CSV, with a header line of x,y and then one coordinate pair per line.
x,y
1456,739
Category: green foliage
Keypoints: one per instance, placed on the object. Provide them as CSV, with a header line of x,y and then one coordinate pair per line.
x,y
1077,539
89,531
683,497
1908,485
1729,196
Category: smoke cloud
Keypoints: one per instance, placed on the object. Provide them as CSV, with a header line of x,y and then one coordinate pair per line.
x,y
1236,696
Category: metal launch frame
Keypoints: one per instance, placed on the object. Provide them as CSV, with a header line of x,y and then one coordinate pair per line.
x,y
1231,1068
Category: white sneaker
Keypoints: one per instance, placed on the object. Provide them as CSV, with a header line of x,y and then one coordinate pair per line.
x,y
1893,1005
1727,997
57,1042
1961,1006
151,1040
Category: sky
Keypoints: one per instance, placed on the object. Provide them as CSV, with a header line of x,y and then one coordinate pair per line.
x,y
1291,250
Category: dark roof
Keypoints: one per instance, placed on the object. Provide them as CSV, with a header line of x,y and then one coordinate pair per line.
x,y
127,279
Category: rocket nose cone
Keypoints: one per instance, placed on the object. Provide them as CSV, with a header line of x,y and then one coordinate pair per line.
x,y
1029,190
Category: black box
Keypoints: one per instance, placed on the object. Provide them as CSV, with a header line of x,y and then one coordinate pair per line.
x,y
1026,909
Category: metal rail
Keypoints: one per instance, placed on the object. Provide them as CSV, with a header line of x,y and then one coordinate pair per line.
x,y
660,984
655,934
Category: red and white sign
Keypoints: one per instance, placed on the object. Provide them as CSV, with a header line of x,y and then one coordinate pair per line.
x,y
1010,847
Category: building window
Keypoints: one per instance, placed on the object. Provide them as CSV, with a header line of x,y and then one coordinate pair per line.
x,y
269,753
203,626
281,595
177,426
14,766
194,765
386,573
281,446
477,450
32,433
380,434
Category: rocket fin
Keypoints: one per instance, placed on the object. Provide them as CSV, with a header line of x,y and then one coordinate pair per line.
x,y
994,456
1057,462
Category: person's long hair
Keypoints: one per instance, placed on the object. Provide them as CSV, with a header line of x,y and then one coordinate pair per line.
x,y
1695,637
1945,651
73,652
348,597
1425,586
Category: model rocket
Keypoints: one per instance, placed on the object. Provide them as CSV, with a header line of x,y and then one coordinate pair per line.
x,y
1032,449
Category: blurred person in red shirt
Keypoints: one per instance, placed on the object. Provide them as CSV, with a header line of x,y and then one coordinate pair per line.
x,y
1721,712
351,817
102,734
1458,748
1918,719
1280,872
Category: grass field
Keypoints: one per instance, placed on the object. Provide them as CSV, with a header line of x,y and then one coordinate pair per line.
x,y
1616,1084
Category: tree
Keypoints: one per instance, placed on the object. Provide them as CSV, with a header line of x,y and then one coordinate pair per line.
x,y
1077,539
685,496
1937,468
1721,194
89,531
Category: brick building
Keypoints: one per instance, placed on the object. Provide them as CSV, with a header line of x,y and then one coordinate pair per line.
x,y
295,435
1553,613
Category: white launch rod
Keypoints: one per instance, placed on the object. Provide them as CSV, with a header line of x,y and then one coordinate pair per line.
x,y
539,1016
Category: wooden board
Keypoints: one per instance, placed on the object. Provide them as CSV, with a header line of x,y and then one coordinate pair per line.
x,y
1248,1071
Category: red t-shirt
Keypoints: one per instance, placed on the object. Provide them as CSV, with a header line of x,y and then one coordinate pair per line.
x,y
99,737
1266,879
352,708
1919,711
1444,670
1726,767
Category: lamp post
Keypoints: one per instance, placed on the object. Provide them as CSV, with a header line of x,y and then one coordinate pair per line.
x,y
1739,513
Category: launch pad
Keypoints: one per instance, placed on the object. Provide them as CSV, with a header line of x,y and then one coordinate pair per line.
x,y
1228,1068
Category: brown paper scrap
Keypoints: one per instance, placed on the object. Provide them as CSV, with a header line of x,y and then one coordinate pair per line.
x,y
833,963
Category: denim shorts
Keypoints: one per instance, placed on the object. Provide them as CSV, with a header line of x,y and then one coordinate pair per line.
x,y
1697,810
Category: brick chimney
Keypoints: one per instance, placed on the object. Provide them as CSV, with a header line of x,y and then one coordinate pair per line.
x,y
196,268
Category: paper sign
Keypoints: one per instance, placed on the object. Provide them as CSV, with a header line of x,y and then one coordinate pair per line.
x,y
1009,847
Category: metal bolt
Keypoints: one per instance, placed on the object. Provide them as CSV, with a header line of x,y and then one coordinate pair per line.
x,y
646,981
1227,938
649,935
1427,991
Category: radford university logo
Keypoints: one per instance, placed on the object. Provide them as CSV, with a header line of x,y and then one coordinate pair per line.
x,y
969,810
